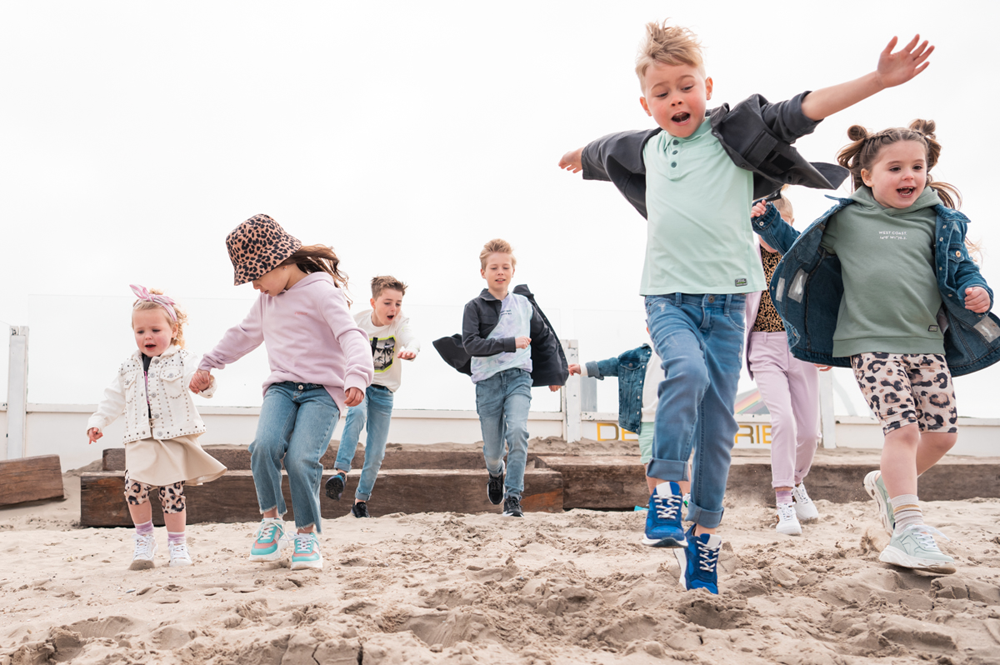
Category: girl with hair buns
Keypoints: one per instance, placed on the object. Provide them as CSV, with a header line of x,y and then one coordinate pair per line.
x,y
320,363
883,283
162,425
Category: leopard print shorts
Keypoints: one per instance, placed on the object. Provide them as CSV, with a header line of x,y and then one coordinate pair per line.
x,y
908,388
171,496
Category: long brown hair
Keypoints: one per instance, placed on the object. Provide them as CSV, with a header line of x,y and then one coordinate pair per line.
x,y
319,258
863,152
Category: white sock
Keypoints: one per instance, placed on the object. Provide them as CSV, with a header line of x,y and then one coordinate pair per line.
x,y
906,511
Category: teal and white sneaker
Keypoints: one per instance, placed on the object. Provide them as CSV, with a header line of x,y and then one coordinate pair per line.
x,y
267,546
915,548
876,490
307,554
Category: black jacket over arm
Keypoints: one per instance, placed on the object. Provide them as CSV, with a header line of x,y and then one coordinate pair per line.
x,y
756,134
549,366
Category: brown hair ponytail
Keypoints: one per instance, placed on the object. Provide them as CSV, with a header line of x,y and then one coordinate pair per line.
x,y
319,258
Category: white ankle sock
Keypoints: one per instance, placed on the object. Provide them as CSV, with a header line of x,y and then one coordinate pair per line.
x,y
906,511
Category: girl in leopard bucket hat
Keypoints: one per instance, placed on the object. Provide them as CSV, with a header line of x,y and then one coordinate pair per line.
x,y
320,363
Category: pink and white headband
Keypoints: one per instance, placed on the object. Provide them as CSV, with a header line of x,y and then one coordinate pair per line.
x,y
143,294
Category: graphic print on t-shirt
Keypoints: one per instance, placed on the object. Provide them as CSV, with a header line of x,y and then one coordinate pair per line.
x,y
383,351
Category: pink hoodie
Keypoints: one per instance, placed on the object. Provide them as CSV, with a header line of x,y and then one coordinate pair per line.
x,y
310,337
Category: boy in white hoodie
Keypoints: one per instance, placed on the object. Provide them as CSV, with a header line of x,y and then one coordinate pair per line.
x,y
391,338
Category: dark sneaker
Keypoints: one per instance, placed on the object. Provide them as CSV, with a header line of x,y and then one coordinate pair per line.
x,y
494,488
335,486
512,507
360,509
663,519
699,561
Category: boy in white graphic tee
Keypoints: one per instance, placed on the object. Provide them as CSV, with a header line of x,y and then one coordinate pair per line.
x,y
391,340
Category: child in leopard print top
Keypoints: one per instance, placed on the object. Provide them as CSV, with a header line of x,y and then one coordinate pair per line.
x,y
162,425
790,390
910,310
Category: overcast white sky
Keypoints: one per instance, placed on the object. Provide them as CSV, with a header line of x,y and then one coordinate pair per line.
x,y
134,136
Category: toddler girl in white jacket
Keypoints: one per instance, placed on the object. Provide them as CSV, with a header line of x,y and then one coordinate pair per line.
x,y
162,425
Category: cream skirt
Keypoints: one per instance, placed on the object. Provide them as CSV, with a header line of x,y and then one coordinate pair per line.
x,y
164,462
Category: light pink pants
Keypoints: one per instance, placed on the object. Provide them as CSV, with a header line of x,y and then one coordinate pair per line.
x,y
790,390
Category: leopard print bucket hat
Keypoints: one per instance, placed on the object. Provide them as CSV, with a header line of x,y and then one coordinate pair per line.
x,y
258,246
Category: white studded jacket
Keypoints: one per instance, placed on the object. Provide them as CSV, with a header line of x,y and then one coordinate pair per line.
x,y
171,411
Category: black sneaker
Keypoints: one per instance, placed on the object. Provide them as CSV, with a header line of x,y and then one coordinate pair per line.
x,y
335,486
512,507
360,509
494,488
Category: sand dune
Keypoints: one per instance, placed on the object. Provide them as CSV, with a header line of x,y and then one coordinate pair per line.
x,y
575,587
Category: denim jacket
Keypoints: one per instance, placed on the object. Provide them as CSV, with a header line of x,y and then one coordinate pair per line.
x,y
807,288
630,368
756,134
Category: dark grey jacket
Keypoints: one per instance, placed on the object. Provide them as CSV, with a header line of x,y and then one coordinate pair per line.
x,y
481,315
756,134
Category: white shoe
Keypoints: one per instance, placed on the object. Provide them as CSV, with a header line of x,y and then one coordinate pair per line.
x,y
145,548
804,506
788,522
914,547
179,555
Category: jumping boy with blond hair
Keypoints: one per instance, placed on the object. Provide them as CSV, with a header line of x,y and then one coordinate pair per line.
x,y
694,178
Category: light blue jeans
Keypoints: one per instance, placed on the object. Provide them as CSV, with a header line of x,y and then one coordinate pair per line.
x,y
295,426
700,339
502,402
376,411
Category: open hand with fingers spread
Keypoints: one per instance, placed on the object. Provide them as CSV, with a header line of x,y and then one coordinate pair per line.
x,y
899,67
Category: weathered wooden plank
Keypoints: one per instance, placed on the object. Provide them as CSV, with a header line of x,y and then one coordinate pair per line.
x,y
600,483
30,479
232,497
237,458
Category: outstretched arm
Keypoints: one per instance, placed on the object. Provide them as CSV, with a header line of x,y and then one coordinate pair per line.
x,y
893,69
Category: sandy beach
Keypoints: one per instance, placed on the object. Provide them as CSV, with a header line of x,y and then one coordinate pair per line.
x,y
575,587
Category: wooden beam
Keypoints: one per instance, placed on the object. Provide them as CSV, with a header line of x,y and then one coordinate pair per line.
x,y
237,458
30,479
232,498
600,483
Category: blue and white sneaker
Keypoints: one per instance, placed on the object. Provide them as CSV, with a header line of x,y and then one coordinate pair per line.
x,y
267,546
663,519
307,554
699,561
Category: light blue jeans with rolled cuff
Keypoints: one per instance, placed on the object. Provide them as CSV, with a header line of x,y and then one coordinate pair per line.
x,y
502,402
295,426
375,412
700,340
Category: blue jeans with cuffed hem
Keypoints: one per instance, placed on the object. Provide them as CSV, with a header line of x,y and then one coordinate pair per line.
x,y
375,412
700,340
502,402
294,429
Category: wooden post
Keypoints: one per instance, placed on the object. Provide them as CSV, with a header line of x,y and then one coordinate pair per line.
x,y
828,422
17,392
571,395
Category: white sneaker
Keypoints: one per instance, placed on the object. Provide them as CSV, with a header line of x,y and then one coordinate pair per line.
x,y
145,548
179,555
788,522
804,506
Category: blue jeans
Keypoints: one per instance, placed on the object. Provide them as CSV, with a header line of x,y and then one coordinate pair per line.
x,y
502,402
376,409
700,339
295,426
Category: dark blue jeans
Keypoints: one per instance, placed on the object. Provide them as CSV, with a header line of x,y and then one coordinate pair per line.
x,y
700,340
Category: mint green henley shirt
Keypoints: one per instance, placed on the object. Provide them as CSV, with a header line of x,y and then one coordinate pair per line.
x,y
698,238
